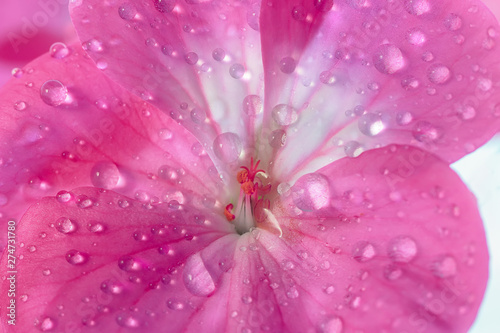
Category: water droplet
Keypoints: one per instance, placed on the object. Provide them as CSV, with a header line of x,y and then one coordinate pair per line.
x,y
253,15
323,5
123,203
246,299
64,196
101,64
105,175
47,324
129,264
453,22
402,249
53,92
404,118
96,227
439,74
333,325
198,116
17,72
82,201
127,11
292,292
20,106
328,78
252,105
353,149
237,71
388,59
370,124
75,257
417,7
197,278
112,287
392,273
329,290
416,37
425,132
58,50
410,83
218,54
284,114
164,6
311,192
126,320
175,304
93,45
227,147
363,251
165,134
287,65
65,225
191,58
32,248
277,138
46,272
444,267
299,13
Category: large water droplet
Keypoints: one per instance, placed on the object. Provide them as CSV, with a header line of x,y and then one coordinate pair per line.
x,y
439,74
388,59
453,22
425,132
198,116
96,227
175,304
20,105
227,147
287,65
218,54
128,264
105,175
112,287
127,11
311,192
58,50
126,320
237,71
284,114
323,5
75,257
277,138
196,277
64,196
333,325
164,6
416,37
402,249
444,267
370,124
65,225
353,149
292,292
191,58
363,251
53,93
404,118
252,105
417,7
47,324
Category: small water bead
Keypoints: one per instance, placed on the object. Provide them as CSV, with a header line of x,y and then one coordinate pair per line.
x,y
252,105
410,83
328,78
416,37
323,5
427,56
65,226
105,175
404,118
47,324
237,71
371,124
198,116
93,45
53,93
388,59
402,249
20,105
392,273
218,54
127,11
58,50
363,251
46,272
292,292
425,132
112,287
123,203
129,264
299,13
197,278
353,149
164,6
287,65
311,192
165,134
128,321
82,201
417,7
277,138
246,299
75,257
101,64
227,147
253,17
17,72
333,325
96,227
32,248
284,115
438,74
453,22
191,58
444,267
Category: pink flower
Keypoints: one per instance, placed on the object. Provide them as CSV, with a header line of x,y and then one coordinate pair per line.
x,y
177,183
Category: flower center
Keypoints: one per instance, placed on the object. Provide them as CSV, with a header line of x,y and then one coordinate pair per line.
x,y
251,202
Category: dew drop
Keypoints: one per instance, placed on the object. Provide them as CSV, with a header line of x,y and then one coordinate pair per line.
x,y
246,299
287,65
128,321
333,325
197,278
427,56
164,6
218,54
299,13
127,11
105,175
425,132
323,5
227,147
353,149
32,248
453,22
128,264
402,249
388,59
311,192
47,324
20,105
64,196
416,37
17,73
93,45
191,58
46,272
417,7
277,138
96,227
237,71
292,292
410,83
392,273
165,134
439,74
444,267
65,225
53,93
58,50
370,124
328,78
175,304
284,114
198,116
112,287
82,201
363,251
252,105
75,257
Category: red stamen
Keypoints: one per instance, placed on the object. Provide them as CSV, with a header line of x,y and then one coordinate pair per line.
x,y
227,212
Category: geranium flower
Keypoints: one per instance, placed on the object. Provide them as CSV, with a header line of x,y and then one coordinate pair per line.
x,y
209,190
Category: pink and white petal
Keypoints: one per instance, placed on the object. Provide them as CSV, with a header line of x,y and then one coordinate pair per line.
x,y
87,131
194,60
109,269
391,240
369,73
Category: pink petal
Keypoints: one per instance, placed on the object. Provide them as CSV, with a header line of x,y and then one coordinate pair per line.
x,y
366,74
99,135
119,268
397,246
194,60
